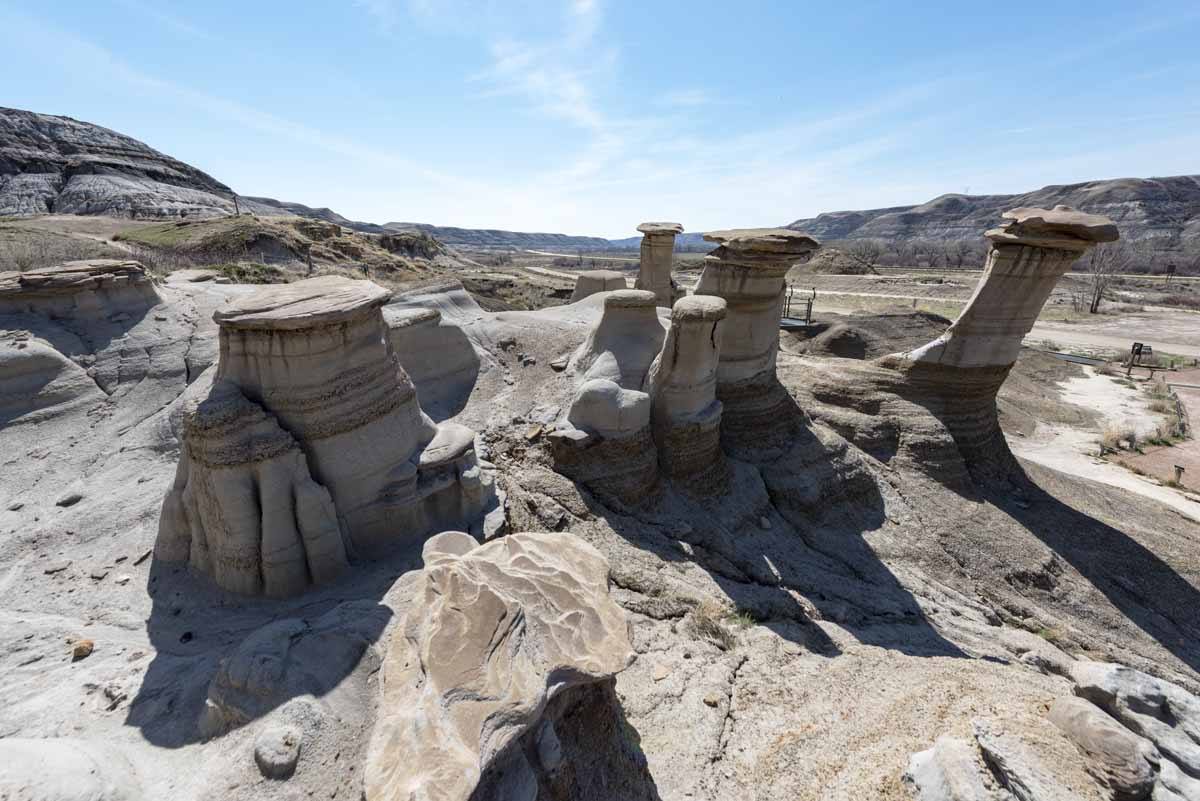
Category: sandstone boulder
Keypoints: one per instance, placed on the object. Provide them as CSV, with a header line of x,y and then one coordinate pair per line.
x,y
494,634
1125,762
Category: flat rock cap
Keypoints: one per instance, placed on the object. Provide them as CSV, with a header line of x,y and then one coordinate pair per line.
x,y
660,228
407,318
630,299
70,276
309,303
1064,221
782,242
699,307
601,275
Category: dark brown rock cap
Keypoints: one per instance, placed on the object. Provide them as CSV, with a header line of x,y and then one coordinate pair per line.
x,y
660,228
1061,226
764,244
311,303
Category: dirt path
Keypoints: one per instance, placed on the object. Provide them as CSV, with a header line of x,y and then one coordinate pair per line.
x,y
1073,450
1070,336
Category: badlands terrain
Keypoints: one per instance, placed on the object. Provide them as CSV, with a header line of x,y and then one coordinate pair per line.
x,y
290,509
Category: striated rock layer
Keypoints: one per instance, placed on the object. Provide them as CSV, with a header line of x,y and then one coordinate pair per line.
x,y
307,376
495,633
955,378
84,290
747,270
686,415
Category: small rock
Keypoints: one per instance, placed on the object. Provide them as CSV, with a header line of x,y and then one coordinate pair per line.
x,y
70,499
532,433
276,750
98,573
528,361
160,317
119,560
123,578
82,650
560,364
16,506
661,671
57,566
712,699
764,523
145,555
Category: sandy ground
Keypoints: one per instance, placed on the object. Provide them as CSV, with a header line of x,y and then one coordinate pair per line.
x,y
1073,450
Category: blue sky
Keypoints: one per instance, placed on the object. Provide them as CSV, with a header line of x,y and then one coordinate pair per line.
x,y
590,116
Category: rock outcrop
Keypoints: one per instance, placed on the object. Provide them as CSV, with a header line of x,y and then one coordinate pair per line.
x,y
940,398
682,382
494,635
747,270
606,440
56,164
657,252
308,388
593,281
437,356
79,290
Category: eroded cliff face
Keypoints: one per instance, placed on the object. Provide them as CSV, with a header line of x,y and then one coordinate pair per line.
x,y
57,164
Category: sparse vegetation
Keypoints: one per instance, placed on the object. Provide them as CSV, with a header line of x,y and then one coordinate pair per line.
x,y
708,622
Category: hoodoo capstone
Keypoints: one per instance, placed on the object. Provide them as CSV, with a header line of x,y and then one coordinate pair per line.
x,y
312,361
79,289
654,269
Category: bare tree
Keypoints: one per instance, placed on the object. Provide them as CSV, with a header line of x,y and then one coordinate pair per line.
x,y
1101,266
866,253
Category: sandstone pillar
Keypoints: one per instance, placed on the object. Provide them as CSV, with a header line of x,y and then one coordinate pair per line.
x,y
307,444
748,270
686,415
654,270
759,420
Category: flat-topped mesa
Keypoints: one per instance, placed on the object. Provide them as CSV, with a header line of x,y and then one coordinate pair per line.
x,y
316,357
685,412
1027,256
657,253
594,281
759,419
89,289
606,441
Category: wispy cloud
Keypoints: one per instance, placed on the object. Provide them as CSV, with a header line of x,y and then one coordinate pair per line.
x,y
166,20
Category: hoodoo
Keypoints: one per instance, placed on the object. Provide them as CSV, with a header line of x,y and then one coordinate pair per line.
x,y
593,281
313,360
654,268
747,270
686,415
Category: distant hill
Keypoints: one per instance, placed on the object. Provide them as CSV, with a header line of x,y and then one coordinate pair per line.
x,y
53,164
57,164
1163,212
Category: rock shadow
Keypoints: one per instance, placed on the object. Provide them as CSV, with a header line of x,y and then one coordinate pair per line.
x,y
790,541
1146,590
222,661
585,749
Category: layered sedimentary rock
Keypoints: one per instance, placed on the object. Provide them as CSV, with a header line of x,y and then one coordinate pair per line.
x,y
937,403
607,442
654,269
593,281
87,289
682,382
307,377
747,270
494,634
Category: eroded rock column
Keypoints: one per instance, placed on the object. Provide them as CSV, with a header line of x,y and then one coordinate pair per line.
x,y
682,382
961,371
654,270
605,441
747,270
307,444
